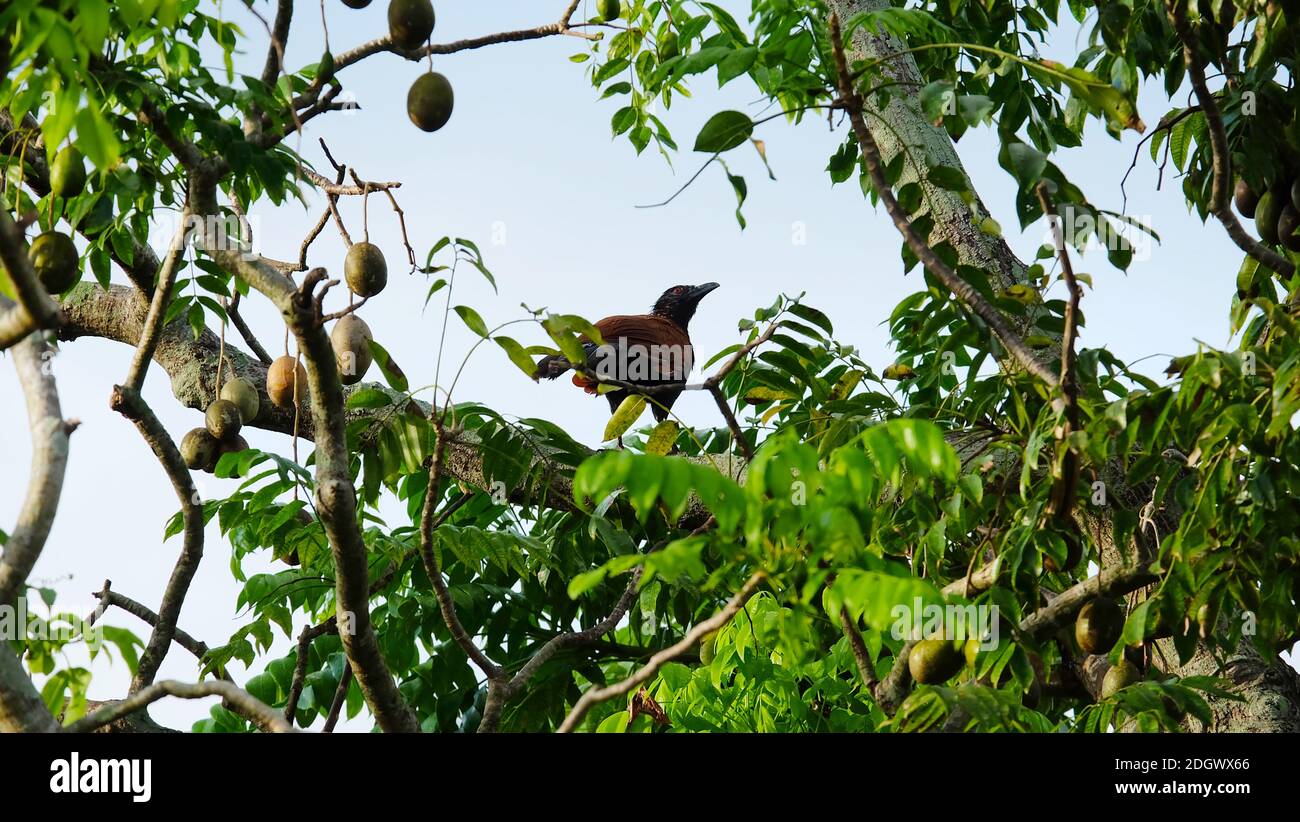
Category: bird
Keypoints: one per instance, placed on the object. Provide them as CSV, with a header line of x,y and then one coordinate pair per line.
x,y
643,349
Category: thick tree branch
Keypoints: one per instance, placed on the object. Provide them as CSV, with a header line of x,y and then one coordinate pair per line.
x,y
336,497
962,290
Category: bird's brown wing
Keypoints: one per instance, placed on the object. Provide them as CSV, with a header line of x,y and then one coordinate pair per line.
x,y
664,347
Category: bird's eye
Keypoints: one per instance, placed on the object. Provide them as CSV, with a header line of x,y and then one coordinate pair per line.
x,y
679,290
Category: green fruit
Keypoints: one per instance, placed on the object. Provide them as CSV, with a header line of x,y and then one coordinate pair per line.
x,y
244,395
1266,214
199,449
1098,626
1246,200
365,269
933,661
430,101
67,173
708,650
609,10
669,47
351,339
972,651
54,257
280,381
410,22
1120,676
1288,223
222,419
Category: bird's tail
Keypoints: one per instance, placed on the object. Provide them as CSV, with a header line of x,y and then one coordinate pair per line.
x,y
551,366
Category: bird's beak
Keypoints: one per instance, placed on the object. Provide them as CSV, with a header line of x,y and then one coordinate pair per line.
x,y
699,291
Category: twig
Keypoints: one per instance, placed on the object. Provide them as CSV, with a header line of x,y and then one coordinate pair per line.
x,y
445,603
158,306
340,698
244,703
1064,490
128,402
1222,180
595,696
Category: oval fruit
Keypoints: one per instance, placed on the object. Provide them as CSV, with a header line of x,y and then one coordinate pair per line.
x,y
410,22
244,395
430,101
1120,676
669,46
199,449
365,269
351,342
67,173
933,661
1295,193
223,420
1245,199
708,650
1098,626
1288,223
609,10
280,381
356,4
1266,215
54,257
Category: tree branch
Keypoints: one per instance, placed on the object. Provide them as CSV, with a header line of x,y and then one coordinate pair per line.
x,y
242,702
49,434
1221,185
128,402
962,290
594,696
35,308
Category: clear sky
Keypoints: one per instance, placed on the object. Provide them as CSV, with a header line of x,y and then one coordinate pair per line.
x,y
527,169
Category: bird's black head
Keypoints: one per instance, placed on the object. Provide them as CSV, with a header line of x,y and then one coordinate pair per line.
x,y
678,303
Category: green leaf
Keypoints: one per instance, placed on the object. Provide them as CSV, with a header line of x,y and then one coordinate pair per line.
x,y
472,319
662,438
368,398
96,139
518,355
724,131
628,412
393,374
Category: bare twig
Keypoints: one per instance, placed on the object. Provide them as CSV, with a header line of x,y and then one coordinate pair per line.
x,y
595,696
158,306
244,703
128,402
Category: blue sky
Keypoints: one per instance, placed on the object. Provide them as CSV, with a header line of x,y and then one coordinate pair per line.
x,y
527,160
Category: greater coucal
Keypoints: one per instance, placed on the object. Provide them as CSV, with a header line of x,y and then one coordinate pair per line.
x,y
642,349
